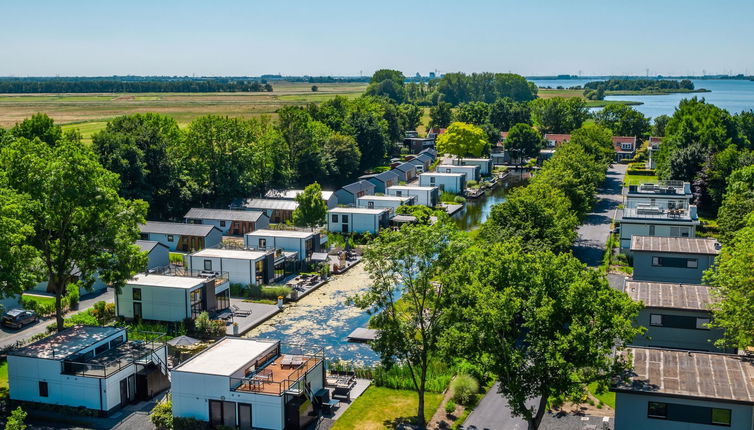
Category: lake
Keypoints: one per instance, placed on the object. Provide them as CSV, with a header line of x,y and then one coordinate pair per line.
x,y
476,211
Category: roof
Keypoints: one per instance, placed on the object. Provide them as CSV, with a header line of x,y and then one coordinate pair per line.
x,y
655,139
177,228
223,214
453,166
624,139
405,167
292,194
557,137
455,175
403,218
282,233
482,160
167,281
149,245
671,296
387,198
225,357
663,188
236,254
699,375
367,211
62,345
271,204
384,176
411,188
681,245
358,186
653,212
432,152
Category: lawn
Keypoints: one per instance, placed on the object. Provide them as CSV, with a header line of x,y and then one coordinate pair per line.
x,y
548,94
640,179
42,300
380,408
3,379
607,397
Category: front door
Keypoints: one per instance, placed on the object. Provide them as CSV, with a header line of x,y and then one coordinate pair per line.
x,y
244,416
137,310
124,392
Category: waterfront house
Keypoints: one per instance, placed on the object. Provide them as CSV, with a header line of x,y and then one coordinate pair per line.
x,y
243,266
230,222
451,182
653,221
554,140
180,236
472,172
625,147
249,383
672,259
302,243
672,389
381,181
389,202
406,172
653,148
415,145
664,195
348,194
277,210
328,196
675,315
158,255
96,368
427,196
485,164
357,220
544,155
173,295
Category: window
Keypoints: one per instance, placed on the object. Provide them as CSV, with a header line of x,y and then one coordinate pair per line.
x,y
678,321
688,413
170,238
655,320
657,410
683,263
432,180
43,389
399,193
370,205
345,218
144,236
102,348
136,293
651,230
334,217
721,416
692,263
222,223
263,242
701,323
207,264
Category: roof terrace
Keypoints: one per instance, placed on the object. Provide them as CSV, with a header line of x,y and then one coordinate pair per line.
x,y
663,187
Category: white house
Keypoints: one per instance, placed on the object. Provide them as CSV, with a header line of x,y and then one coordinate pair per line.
x,y
654,148
427,196
665,195
624,146
389,202
485,164
179,236
230,222
357,220
243,266
172,296
451,182
96,368
328,196
249,383
472,172
672,389
303,243
654,221
158,255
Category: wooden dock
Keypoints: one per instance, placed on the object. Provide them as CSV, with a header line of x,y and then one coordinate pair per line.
x,y
362,334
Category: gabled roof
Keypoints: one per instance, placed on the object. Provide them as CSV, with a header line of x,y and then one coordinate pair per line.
x,y
432,152
271,204
224,214
679,245
177,228
624,139
292,194
558,137
655,139
405,167
149,245
671,296
383,176
358,186
425,157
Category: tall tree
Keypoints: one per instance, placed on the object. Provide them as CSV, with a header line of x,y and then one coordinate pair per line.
x,y
737,203
366,124
342,157
477,113
504,113
441,115
312,210
19,262
523,141
411,116
38,126
623,120
388,83
462,139
558,114
658,125
596,140
305,138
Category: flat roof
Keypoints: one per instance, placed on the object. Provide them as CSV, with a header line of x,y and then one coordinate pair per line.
x,y
680,245
292,194
167,281
410,187
472,166
224,214
62,345
698,375
237,254
671,296
226,356
388,198
177,228
282,233
476,159
455,175
654,213
368,211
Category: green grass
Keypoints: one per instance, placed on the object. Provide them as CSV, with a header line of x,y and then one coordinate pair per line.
x,y
607,397
4,375
87,129
603,103
380,408
42,300
640,179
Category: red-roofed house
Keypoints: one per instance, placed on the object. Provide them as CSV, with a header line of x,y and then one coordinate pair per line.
x,y
434,132
625,147
555,140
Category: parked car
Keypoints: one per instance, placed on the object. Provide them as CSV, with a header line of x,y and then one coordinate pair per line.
x,y
17,318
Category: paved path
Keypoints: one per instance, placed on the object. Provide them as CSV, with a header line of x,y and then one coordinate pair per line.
x,y
594,232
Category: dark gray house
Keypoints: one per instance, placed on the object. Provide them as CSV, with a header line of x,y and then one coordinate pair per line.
x,y
422,162
672,259
349,193
405,171
230,222
158,255
382,181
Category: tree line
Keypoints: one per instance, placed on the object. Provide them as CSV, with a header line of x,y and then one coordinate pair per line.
x,y
82,85
640,84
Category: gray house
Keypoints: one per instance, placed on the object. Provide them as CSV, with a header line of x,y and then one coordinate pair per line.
x,y
673,389
405,171
382,181
351,192
654,221
422,162
675,315
179,236
432,152
672,259
230,222
158,255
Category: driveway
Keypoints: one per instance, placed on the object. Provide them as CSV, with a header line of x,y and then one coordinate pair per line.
x,y
594,232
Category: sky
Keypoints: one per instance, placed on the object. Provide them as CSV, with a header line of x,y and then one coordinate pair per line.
x,y
349,38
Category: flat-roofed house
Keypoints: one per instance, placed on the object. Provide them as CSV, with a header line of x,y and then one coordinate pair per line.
x,y
348,194
173,296
277,210
181,236
406,171
230,222
357,220
96,368
381,181
451,182
485,164
673,389
653,149
328,196
249,383
158,255
418,144
665,195
672,259
625,147
303,243
427,196
645,220
245,267
675,315
389,202
472,172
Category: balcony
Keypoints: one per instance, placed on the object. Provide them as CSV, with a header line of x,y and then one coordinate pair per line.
x,y
283,373
117,358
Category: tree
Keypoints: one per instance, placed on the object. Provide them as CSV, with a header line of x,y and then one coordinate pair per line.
x,y
440,115
558,114
341,157
369,129
745,122
16,420
461,139
38,126
312,210
477,113
315,88
737,203
504,113
659,124
387,83
305,138
411,116
18,260
623,120
405,264
523,141
596,140
82,227
687,162
544,324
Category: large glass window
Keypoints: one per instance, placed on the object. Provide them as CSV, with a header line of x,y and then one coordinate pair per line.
x,y
136,293
690,263
657,410
207,264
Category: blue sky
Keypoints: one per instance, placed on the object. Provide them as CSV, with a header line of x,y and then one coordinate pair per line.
x,y
222,37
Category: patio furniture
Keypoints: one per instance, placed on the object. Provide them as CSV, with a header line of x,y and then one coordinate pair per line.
x,y
240,312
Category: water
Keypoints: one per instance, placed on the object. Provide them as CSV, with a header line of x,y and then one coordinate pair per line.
x,y
476,211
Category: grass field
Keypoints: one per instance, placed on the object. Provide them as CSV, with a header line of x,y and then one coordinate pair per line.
x,y
381,408
548,94
639,179
3,379
608,397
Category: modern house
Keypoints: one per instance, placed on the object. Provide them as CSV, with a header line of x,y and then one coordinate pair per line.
x,y
180,236
348,194
158,255
427,196
665,195
243,266
472,172
249,383
230,222
672,259
328,196
544,155
485,164
653,221
433,132
432,152
653,148
672,390
675,315
381,181
95,368
173,296
417,144
406,172
277,210
303,243
553,140
389,202
357,220
625,147
451,182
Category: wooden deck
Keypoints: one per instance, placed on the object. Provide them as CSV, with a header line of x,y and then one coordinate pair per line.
x,y
272,378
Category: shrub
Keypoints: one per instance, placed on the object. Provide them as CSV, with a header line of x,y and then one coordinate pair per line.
x,y
238,290
45,309
82,318
206,328
398,377
464,388
73,296
104,312
450,407
162,415
176,258
180,423
16,420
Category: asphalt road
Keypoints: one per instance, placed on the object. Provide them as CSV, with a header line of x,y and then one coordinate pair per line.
x,y
493,413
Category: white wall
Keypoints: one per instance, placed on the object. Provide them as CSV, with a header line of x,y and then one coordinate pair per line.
x,y
471,172
451,184
25,373
363,202
630,228
423,197
290,244
157,303
657,201
357,223
239,271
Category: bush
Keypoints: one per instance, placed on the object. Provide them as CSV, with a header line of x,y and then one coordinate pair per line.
x,y
206,328
450,407
238,290
267,293
16,420
464,388
180,423
73,296
176,258
398,377
82,318
162,415
104,312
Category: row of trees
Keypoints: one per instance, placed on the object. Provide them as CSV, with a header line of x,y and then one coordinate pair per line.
x,y
640,84
78,85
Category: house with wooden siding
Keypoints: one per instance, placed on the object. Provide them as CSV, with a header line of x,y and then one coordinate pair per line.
x,y
381,181
230,222
348,194
278,210
179,236
405,171
672,259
